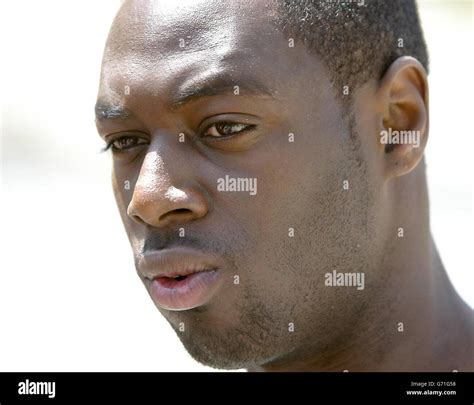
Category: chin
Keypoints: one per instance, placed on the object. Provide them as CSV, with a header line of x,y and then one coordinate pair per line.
x,y
226,352
225,356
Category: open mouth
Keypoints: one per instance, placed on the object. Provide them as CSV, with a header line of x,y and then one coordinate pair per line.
x,y
179,280
170,282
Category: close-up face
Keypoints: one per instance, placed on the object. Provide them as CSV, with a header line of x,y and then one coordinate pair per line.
x,y
233,158
251,186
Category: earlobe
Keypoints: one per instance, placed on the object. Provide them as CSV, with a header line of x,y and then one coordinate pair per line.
x,y
404,116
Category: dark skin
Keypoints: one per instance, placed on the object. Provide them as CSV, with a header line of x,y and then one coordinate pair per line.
x,y
152,90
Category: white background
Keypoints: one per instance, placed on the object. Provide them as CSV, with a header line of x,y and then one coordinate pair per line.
x,y
69,296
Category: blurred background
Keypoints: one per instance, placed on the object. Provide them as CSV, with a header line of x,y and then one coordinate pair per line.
x,y
69,296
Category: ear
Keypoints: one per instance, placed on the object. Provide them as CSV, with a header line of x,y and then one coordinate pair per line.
x,y
402,100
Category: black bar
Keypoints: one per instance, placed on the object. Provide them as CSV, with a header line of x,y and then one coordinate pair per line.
x,y
223,387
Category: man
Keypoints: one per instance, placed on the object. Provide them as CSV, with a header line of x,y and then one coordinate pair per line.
x,y
268,167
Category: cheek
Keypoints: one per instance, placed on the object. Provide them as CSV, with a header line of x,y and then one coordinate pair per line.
x,y
305,222
297,183
118,187
123,190
277,222
123,185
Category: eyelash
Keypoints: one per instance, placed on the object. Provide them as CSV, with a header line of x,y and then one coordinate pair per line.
x,y
247,127
110,144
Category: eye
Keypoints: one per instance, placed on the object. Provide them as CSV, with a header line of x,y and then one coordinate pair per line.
x,y
124,143
226,129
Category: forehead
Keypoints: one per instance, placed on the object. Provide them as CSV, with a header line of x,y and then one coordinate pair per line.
x,y
167,43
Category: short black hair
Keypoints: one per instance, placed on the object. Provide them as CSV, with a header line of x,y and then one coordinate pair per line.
x,y
356,39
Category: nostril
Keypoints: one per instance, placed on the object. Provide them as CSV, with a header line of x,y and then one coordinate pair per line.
x,y
177,213
181,210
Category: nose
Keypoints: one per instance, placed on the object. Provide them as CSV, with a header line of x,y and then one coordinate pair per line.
x,y
165,192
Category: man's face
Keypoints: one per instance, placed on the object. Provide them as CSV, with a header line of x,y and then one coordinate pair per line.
x,y
204,90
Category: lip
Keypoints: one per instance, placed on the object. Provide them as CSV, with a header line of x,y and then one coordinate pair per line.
x,y
201,272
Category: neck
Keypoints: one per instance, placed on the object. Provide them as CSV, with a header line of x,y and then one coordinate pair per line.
x,y
426,325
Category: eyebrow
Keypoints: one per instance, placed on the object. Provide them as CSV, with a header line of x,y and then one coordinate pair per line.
x,y
105,111
217,85
209,86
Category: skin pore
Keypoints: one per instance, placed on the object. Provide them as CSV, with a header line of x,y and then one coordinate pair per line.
x,y
171,68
